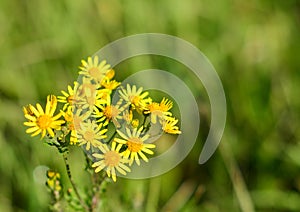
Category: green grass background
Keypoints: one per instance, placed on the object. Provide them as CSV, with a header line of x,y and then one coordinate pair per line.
x,y
255,48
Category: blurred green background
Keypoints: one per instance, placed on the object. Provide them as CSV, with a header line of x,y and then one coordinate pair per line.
x,y
255,48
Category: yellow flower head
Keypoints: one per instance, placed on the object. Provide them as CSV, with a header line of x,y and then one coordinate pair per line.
x,y
41,121
73,120
107,81
89,98
110,84
110,74
111,160
136,98
109,112
135,123
93,69
159,110
169,125
135,144
69,98
90,133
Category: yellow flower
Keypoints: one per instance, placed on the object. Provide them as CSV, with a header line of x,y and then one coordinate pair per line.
x,y
128,116
137,98
91,133
159,110
110,84
73,120
93,69
168,126
53,181
112,160
109,112
110,74
69,98
107,81
135,123
90,99
135,145
41,121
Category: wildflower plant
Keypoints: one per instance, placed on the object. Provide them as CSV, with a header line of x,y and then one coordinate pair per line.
x,y
112,132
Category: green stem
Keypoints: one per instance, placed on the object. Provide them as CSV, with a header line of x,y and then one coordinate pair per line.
x,y
73,183
95,194
145,127
144,121
97,181
113,135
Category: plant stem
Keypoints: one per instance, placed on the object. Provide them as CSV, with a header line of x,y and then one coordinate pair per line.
x,y
144,120
95,194
72,182
144,124
113,135
236,177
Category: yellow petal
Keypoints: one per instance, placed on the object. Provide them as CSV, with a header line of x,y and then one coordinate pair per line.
x,y
32,129
31,118
40,109
50,131
30,124
36,133
36,113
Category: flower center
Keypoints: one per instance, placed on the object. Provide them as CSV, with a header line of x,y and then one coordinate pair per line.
x,y
94,72
89,135
134,144
112,158
111,111
71,126
44,121
70,99
155,109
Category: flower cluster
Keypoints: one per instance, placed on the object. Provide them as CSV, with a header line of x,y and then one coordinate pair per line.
x,y
110,121
54,184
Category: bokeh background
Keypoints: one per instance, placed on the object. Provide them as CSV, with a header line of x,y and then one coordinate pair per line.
x,y
255,48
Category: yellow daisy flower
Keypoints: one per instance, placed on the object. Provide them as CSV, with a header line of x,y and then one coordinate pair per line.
x,y
168,126
159,110
93,69
109,112
137,98
135,145
69,98
73,120
107,81
41,121
87,86
110,84
91,133
111,160
90,99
